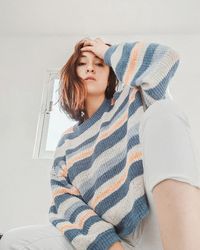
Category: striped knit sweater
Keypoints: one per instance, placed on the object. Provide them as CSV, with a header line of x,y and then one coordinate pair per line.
x,y
97,174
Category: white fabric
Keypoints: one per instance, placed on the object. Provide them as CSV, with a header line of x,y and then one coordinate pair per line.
x,y
37,237
169,152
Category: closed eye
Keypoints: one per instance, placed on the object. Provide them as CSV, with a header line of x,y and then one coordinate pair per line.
x,y
80,64
99,64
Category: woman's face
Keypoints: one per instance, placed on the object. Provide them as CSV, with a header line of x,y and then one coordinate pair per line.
x,y
89,65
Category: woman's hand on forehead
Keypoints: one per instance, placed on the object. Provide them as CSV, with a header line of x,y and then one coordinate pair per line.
x,y
97,46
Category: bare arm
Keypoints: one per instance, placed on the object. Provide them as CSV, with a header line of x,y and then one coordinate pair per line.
x,y
178,212
116,246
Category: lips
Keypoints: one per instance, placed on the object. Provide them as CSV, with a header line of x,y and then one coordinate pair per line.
x,y
90,78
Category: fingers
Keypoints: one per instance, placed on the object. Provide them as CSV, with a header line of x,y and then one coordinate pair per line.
x,y
91,42
96,46
87,48
88,45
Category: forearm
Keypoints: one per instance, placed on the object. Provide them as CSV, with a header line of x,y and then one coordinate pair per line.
x,y
73,217
149,66
136,61
116,246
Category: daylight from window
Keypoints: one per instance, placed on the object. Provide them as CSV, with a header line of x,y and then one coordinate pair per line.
x,y
58,121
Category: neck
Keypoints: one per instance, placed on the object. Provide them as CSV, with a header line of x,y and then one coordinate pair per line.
x,y
93,103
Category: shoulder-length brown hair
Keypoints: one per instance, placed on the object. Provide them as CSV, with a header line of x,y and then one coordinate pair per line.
x,y
72,92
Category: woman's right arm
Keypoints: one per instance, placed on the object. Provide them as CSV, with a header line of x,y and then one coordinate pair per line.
x,y
146,65
71,215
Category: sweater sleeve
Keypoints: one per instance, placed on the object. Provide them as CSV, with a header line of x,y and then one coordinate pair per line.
x,y
68,212
148,66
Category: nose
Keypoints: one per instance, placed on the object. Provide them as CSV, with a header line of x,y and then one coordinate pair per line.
x,y
90,68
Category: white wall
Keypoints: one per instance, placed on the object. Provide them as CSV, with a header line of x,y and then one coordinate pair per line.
x,y
24,182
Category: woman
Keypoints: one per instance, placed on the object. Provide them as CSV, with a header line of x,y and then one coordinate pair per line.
x,y
125,176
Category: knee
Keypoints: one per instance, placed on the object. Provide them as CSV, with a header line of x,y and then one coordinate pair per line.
x,y
165,111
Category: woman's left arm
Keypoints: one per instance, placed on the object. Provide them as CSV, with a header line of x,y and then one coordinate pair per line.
x,y
178,212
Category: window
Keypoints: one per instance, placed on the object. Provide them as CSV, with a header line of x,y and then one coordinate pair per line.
x,y
52,120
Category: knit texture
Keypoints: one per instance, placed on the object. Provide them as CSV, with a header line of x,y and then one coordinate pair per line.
x,y
98,193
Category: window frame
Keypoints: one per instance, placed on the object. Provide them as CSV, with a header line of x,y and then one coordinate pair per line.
x,y
39,151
